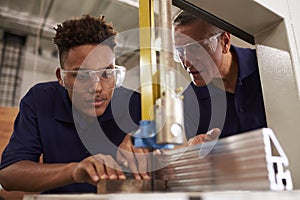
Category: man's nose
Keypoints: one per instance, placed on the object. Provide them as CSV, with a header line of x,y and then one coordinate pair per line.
x,y
185,59
187,64
96,84
95,78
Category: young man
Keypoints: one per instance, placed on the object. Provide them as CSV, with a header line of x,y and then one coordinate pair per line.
x,y
75,123
225,92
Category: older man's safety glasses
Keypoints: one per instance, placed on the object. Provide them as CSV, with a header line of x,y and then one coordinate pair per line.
x,y
83,80
210,44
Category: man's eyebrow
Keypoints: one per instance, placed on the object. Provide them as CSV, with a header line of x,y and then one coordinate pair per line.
x,y
110,66
76,68
82,69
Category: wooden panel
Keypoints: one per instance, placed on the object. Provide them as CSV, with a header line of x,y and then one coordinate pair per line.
x,y
7,118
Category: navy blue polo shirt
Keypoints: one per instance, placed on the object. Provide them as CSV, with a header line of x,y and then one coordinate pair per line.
x,y
46,126
208,107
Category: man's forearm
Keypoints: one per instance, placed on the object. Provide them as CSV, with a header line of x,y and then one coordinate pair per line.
x,y
29,176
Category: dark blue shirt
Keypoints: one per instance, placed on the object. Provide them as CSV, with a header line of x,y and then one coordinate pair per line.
x,y
208,107
47,126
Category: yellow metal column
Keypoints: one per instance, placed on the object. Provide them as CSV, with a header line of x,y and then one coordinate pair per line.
x,y
147,56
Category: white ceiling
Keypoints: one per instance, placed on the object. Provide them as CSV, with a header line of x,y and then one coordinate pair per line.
x,y
30,14
27,17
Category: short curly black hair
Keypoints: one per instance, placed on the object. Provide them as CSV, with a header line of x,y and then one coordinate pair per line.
x,y
86,30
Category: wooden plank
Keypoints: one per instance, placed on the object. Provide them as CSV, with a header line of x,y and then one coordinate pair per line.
x,y
7,118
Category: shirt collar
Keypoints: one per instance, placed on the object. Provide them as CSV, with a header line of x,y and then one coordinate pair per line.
x,y
63,105
247,61
206,92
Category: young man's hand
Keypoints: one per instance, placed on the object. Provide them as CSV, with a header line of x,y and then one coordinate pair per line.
x,y
95,168
136,159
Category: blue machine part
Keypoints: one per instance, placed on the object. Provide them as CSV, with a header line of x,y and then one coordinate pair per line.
x,y
145,136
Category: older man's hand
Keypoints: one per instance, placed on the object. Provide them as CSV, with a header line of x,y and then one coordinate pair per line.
x,y
211,135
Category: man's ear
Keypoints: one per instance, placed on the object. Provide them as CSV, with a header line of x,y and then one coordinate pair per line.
x,y
58,76
226,42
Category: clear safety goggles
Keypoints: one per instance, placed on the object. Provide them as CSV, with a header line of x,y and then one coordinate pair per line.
x,y
210,44
83,80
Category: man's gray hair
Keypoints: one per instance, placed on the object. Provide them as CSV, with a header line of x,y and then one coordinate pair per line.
x,y
185,17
